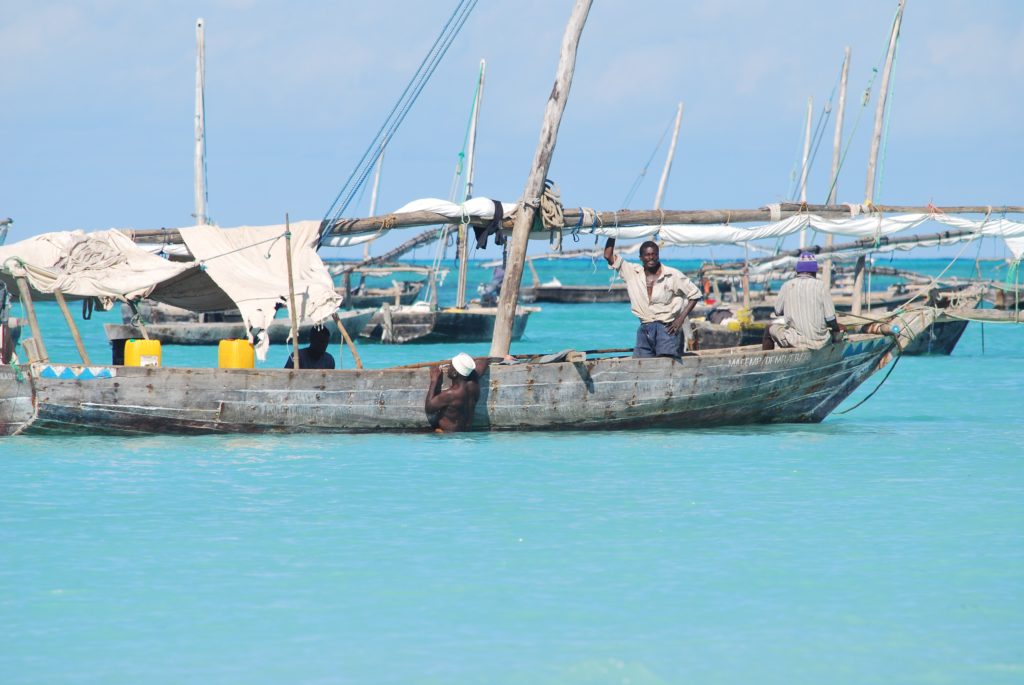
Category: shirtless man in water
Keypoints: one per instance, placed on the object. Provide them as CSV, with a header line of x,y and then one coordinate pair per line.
x,y
451,410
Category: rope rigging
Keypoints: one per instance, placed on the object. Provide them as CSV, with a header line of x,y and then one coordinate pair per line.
x,y
398,112
643,171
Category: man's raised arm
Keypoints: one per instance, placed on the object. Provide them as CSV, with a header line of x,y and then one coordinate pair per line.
x,y
609,251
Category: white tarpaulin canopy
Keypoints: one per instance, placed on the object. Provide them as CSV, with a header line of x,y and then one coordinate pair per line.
x,y
864,225
243,268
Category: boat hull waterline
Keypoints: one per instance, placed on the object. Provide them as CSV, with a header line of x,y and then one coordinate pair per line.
x,y
721,387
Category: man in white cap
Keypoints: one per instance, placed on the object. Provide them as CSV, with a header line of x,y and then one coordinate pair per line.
x,y
806,305
451,410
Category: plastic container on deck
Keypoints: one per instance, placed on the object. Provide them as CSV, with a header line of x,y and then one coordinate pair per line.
x,y
235,354
142,353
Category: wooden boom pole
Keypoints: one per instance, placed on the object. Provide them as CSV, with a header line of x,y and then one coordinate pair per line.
x,y
535,182
621,218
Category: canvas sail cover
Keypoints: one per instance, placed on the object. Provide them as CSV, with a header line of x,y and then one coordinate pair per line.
x,y
250,264
862,224
243,268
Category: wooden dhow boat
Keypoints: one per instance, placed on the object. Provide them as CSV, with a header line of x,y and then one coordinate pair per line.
x,y
570,391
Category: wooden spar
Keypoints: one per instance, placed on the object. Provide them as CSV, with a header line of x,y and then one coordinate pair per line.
x,y
745,280
883,94
348,341
804,164
59,296
876,140
862,244
291,293
509,296
668,160
460,299
199,158
33,322
837,147
373,197
625,217
533,273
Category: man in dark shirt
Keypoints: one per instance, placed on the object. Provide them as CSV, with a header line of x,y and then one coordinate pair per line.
x,y
316,355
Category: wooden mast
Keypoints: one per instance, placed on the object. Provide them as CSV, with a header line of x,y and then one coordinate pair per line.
x,y
291,293
199,158
803,166
876,141
535,182
460,301
668,160
837,151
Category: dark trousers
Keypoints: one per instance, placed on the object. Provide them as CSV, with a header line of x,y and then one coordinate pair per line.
x,y
654,340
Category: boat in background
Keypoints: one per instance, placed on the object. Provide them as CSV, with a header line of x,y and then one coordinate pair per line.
x,y
176,326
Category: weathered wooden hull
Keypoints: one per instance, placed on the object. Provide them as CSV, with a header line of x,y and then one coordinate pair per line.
x,y
713,336
938,339
723,387
575,294
414,324
375,297
211,333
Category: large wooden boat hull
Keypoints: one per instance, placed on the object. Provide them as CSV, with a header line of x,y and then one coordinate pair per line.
x,y
422,325
723,387
212,332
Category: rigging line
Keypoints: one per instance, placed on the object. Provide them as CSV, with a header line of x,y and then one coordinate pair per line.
x,y
418,85
404,111
643,172
415,85
877,387
401,98
865,99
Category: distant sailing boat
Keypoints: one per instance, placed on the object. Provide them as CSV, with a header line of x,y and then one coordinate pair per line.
x,y
176,326
424,321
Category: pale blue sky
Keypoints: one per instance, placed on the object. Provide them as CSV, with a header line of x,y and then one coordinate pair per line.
x,y
98,103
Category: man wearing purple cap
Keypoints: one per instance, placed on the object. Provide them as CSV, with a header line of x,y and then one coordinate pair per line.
x,y
806,305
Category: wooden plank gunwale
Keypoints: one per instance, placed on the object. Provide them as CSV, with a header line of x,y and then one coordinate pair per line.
x,y
719,387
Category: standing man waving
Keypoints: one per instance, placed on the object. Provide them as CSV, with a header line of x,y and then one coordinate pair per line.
x,y
660,296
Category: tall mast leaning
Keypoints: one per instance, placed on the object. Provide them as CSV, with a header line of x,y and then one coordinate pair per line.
x,y
806,161
502,338
876,141
460,300
837,154
668,160
199,170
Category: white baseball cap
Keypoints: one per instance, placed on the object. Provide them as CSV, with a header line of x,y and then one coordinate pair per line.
x,y
464,364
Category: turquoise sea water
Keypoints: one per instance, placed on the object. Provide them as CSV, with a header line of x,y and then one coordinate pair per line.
x,y
881,546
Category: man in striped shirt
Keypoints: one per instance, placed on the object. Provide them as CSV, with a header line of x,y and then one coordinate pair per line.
x,y
806,304
660,296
